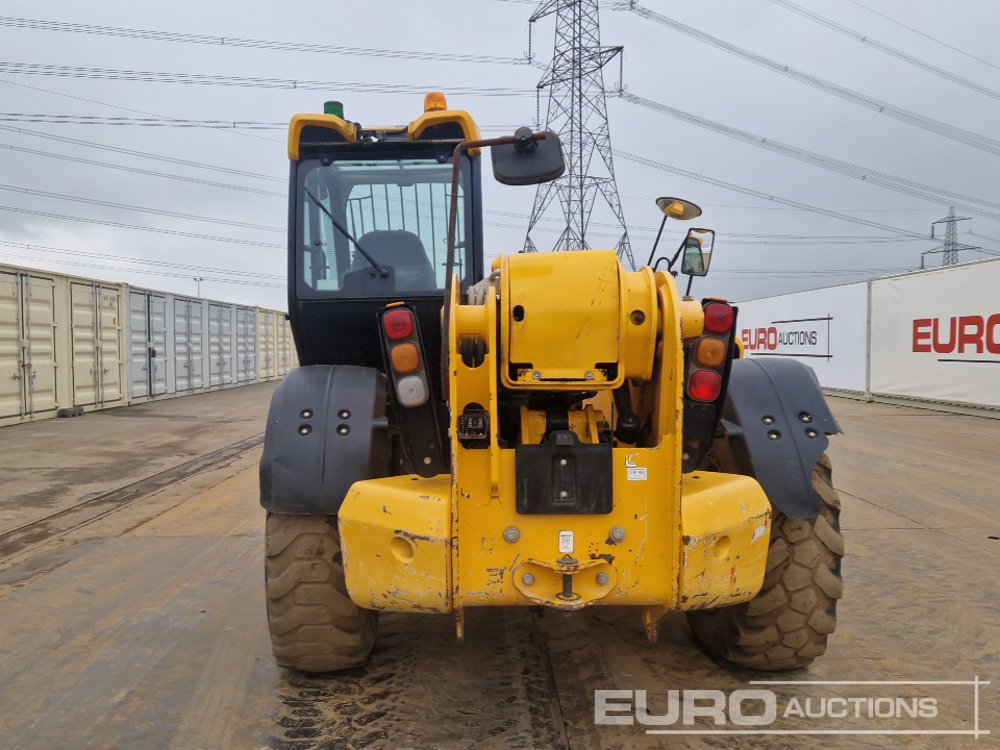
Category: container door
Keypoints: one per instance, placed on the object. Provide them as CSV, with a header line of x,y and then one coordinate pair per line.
x,y
85,351
196,338
240,345
263,346
214,345
226,365
243,344
249,345
40,325
284,348
157,351
138,345
279,349
11,355
182,344
109,344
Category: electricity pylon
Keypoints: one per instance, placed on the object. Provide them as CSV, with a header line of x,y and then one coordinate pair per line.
x,y
578,112
951,246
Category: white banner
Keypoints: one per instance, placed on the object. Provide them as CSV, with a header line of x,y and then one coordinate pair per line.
x,y
936,335
823,328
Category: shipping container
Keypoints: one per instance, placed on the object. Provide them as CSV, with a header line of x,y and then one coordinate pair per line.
x,y
29,386
71,344
62,344
180,345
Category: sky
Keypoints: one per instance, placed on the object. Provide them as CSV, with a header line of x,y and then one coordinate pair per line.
x,y
763,246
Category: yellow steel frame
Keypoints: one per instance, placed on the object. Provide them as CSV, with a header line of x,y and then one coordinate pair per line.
x,y
670,541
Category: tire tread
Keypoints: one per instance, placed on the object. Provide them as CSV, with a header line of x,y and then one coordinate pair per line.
x,y
314,625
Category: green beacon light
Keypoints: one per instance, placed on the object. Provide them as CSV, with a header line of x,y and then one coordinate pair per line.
x,y
334,108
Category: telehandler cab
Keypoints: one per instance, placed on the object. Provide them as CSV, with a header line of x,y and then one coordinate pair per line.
x,y
555,431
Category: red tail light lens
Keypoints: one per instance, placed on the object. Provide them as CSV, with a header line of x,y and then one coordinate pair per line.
x,y
398,324
718,317
704,385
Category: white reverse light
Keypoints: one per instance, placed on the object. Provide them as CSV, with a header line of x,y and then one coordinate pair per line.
x,y
411,390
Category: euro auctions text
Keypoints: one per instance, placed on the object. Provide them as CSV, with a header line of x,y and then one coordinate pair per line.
x,y
789,707
748,708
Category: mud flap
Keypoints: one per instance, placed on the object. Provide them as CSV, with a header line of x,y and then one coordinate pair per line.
x,y
777,422
326,430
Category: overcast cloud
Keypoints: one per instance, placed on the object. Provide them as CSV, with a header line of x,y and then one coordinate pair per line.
x,y
659,64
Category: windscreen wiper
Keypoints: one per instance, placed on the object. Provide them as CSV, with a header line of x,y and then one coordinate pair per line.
x,y
382,270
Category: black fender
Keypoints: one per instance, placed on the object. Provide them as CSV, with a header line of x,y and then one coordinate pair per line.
x,y
777,422
326,430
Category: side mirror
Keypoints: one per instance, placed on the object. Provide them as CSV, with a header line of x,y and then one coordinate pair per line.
x,y
697,252
528,161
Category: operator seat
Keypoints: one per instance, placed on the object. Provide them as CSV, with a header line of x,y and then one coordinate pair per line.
x,y
404,252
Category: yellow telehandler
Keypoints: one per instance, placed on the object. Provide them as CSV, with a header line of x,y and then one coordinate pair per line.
x,y
557,430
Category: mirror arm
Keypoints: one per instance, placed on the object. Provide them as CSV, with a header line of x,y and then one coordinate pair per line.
x,y
687,292
680,249
652,253
456,169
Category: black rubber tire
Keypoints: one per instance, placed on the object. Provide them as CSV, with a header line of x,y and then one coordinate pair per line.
x,y
314,625
787,624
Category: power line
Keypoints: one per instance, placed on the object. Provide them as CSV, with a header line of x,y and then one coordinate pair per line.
x,y
137,170
722,275
268,44
764,196
141,228
931,125
145,261
756,207
168,274
886,49
816,238
724,237
985,237
141,154
813,239
870,176
115,74
158,122
140,209
810,271
934,39
171,122
125,109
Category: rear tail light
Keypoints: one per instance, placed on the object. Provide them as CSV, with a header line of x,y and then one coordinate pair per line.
x,y
405,358
710,352
719,317
415,416
704,385
398,324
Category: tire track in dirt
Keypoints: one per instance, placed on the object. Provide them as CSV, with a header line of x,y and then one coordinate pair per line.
x,y
422,689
